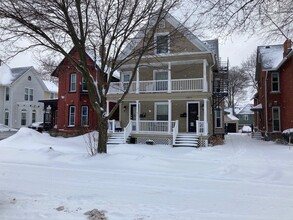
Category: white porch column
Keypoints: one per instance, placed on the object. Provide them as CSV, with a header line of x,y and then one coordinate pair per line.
x,y
169,78
108,108
205,116
137,80
205,83
137,116
169,115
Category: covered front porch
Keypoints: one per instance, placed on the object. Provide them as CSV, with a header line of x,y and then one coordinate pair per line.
x,y
155,120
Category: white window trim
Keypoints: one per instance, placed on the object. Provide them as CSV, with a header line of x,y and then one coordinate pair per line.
x,y
7,88
275,73
279,116
6,111
23,111
83,83
221,118
87,115
155,40
69,116
156,106
70,82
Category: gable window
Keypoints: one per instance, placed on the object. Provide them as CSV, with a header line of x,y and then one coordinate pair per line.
x,y
23,117
71,114
276,118
7,93
28,94
162,43
83,85
246,117
72,87
6,117
218,118
161,110
84,115
161,78
275,82
34,115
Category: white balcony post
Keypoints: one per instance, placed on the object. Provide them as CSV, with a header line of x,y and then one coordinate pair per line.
x,y
137,116
169,78
206,128
169,115
205,83
137,80
108,108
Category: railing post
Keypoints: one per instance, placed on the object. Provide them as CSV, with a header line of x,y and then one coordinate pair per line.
x,y
169,78
169,115
205,84
137,81
205,117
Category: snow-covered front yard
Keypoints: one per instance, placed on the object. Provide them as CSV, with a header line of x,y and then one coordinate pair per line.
x,y
244,179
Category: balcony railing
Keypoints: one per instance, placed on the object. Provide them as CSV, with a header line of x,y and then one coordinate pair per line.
x,y
157,86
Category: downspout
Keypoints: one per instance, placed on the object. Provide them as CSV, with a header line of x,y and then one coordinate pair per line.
x,y
266,103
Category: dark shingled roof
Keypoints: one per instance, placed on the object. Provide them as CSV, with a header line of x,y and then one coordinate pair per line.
x,y
18,72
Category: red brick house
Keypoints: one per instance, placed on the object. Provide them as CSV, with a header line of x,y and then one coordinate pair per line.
x,y
72,111
273,103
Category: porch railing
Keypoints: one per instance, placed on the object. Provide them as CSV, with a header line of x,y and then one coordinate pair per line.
x,y
127,131
152,126
201,127
157,86
175,132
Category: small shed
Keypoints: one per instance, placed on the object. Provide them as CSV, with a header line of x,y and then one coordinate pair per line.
x,y
231,123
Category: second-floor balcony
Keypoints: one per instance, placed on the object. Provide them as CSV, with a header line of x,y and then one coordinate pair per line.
x,y
160,86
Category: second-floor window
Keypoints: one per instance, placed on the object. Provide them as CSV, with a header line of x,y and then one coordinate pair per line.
x,y
275,82
71,118
7,93
84,115
28,94
72,86
83,85
126,79
162,43
161,78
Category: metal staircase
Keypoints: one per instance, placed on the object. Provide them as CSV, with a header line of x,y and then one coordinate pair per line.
x,y
186,140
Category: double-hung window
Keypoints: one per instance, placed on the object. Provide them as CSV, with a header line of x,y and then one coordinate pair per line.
x,y
71,118
84,115
275,82
23,117
162,43
276,118
126,79
72,86
6,120
218,118
161,111
28,94
161,78
83,85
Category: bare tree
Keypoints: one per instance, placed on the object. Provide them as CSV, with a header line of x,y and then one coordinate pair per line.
x,y
102,28
248,67
238,82
272,19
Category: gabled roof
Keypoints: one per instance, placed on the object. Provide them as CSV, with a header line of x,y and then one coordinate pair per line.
x,y
270,56
18,72
52,87
203,47
246,110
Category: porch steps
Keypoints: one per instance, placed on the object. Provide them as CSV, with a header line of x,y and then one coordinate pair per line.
x,y
116,138
186,140
256,135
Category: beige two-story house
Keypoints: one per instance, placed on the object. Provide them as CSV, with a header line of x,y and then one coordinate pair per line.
x,y
177,95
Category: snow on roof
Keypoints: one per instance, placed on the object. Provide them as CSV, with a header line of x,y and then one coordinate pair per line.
x,y
232,117
271,56
213,45
246,110
97,59
18,72
257,107
5,74
52,87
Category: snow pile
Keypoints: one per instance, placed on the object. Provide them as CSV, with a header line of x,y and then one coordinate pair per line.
x,y
53,178
52,87
246,129
5,74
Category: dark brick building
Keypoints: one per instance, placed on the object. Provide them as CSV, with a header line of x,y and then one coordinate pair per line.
x,y
273,103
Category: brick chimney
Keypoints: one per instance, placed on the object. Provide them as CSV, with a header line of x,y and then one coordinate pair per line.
x,y
287,47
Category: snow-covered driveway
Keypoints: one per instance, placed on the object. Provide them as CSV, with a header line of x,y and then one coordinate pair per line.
x,y
243,179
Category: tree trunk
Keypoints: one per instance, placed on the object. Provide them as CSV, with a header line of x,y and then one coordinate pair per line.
x,y
103,131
